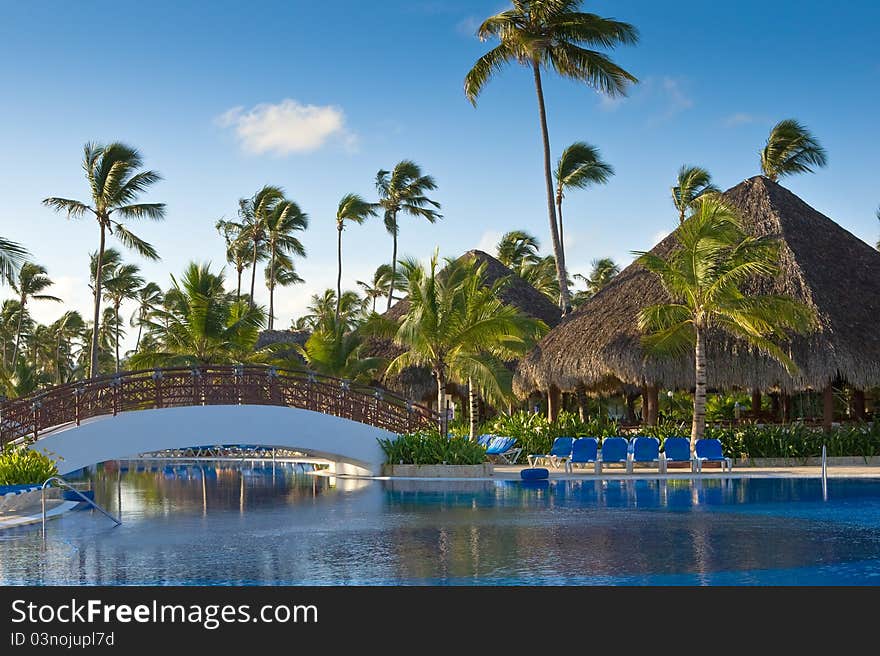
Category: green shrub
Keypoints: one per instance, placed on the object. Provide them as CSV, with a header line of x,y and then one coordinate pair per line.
x,y
431,448
19,466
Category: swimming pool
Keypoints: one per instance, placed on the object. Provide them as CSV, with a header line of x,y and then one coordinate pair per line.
x,y
222,523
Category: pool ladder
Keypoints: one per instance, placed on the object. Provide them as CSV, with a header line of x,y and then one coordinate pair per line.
x,y
824,474
60,482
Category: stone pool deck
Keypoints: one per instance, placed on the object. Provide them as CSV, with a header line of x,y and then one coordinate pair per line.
x,y
55,508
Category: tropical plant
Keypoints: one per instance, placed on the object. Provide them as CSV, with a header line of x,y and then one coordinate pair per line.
x,y
555,34
201,324
791,148
123,283
458,326
115,184
20,465
517,249
334,350
28,284
280,224
254,213
432,448
282,274
355,209
381,284
321,311
238,249
149,298
691,184
703,277
579,166
403,190
64,332
602,272
11,257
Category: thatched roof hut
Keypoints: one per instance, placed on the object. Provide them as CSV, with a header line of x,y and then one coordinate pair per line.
x,y
417,382
820,264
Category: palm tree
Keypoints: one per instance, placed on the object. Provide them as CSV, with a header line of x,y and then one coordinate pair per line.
x,y
149,297
458,327
11,257
254,213
603,271
238,249
355,209
542,33
703,278
517,248
202,324
115,184
381,284
579,167
403,190
64,331
281,222
283,274
692,183
334,350
31,280
791,148
122,284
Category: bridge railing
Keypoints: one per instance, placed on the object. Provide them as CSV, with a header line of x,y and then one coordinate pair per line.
x,y
209,385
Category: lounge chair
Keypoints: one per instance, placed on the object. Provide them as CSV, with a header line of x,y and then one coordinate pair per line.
x,y
585,450
503,448
615,451
709,450
645,451
484,440
678,449
559,452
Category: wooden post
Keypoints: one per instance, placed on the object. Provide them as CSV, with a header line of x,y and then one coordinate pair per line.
x,y
554,397
786,408
581,393
827,406
859,405
756,404
774,405
650,405
630,408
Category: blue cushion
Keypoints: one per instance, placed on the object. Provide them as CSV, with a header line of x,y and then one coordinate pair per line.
x,y
646,449
562,447
534,474
709,449
614,449
585,449
677,449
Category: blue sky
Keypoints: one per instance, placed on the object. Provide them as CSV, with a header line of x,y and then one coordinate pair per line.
x,y
222,98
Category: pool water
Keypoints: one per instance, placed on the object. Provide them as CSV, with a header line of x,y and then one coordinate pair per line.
x,y
222,523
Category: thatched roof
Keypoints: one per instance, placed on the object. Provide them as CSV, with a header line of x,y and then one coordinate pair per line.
x,y
820,264
276,337
417,382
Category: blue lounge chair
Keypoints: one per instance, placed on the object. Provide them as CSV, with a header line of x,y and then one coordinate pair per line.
x,y
709,450
585,450
678,449
645,451
503,448
615,451
559,452
484,440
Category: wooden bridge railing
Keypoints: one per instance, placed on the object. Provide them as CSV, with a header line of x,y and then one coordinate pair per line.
x,y
148,389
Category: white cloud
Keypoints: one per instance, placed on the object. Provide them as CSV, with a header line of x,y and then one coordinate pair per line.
x,y
740,118
287,127
664,96
658,237
489,240
467,26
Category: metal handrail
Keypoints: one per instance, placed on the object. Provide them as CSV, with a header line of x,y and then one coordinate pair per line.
x,y
62,483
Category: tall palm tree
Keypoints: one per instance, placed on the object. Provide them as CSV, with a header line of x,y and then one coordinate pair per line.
x,y
202,323
355,209
517,248
69,327
238,249
553,33
692,182
281,223
603,271
283,274
381,284
579,167
149,298
31,280
254,213
403,190
115,184
791,148
11,257
122,284
703,277
458,327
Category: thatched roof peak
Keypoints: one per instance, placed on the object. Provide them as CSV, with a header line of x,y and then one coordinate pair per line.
x,y
821,264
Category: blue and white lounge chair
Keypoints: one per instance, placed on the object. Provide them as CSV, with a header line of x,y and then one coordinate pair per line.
x,y
559,452
585,450
709,450
615,451
645,451
484,440
503,448
678,449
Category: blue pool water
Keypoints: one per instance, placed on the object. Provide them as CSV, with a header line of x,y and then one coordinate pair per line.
x,y
227,524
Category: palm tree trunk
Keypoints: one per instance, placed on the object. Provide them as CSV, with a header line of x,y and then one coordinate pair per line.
x,y
581,395
561,237
564,300
339,270
21,307
137,343
473,409
254,272
99,265
116,331
58,379
441,398
393,265
238,284
272,287
699,427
